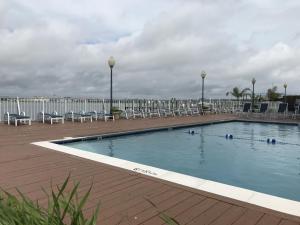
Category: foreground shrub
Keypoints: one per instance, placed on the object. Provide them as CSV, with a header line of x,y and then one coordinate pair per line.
x,y
64,207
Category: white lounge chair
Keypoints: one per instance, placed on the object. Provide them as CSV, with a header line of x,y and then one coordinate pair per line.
x,y
167,112
154,113
138,113
193,110
16,118
101,115
132,113
81,116
181,111
50,117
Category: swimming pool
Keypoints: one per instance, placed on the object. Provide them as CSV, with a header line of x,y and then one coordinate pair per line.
x,y
246,161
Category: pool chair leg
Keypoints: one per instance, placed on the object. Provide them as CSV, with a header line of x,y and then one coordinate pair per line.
x,y
63,121
91,119
16,122
29,122
51,121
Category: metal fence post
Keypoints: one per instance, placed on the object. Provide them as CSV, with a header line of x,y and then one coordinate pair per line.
x,y
65,103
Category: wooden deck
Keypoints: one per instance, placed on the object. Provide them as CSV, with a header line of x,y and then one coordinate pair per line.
x,y
122,193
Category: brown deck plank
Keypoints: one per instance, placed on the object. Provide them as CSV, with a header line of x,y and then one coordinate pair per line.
x,y
177,209
233,214
108,178
122,192
251,217
140,190
211,214
269,220
169,194
287,222
195,211
161,206
116,214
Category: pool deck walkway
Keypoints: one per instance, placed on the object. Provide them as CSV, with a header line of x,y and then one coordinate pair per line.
x,y
122,193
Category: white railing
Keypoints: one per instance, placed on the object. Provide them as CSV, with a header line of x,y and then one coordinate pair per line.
x,y
32,106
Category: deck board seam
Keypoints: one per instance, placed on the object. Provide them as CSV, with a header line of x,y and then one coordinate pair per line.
x,y
231,206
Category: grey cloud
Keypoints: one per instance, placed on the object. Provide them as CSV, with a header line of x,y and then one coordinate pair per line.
x,y
67,54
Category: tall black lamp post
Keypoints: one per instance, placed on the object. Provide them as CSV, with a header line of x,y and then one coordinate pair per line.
x,y
253,83
203,75
111,63
285,86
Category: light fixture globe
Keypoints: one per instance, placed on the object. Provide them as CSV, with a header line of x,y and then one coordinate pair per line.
x,y
285,85
111,62
203,74
253,81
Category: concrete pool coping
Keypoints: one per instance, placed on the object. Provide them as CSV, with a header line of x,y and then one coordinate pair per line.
x,y
245,195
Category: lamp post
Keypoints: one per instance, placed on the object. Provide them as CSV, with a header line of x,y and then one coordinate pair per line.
x,y
111,63
285,86
203,75
253,83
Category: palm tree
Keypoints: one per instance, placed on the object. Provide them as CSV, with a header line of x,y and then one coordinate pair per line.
x,y
245,93
237,93
272,94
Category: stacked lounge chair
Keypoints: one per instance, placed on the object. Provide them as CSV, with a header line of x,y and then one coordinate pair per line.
x,y
193,110
133,113
181,111
153,113
206,109
167,112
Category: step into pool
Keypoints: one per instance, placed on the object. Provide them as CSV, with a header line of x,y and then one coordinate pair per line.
x,y
262,157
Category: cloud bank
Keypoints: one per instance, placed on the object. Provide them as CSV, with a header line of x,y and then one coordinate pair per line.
x,y
61,47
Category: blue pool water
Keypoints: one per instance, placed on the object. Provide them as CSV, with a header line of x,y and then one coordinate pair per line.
x,y
246,161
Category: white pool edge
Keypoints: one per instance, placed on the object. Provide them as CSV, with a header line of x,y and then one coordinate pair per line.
x,y
245,195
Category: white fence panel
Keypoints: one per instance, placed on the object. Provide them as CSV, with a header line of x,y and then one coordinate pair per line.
x,y
32,106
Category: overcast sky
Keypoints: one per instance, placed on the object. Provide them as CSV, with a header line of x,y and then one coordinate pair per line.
x,y
56,47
